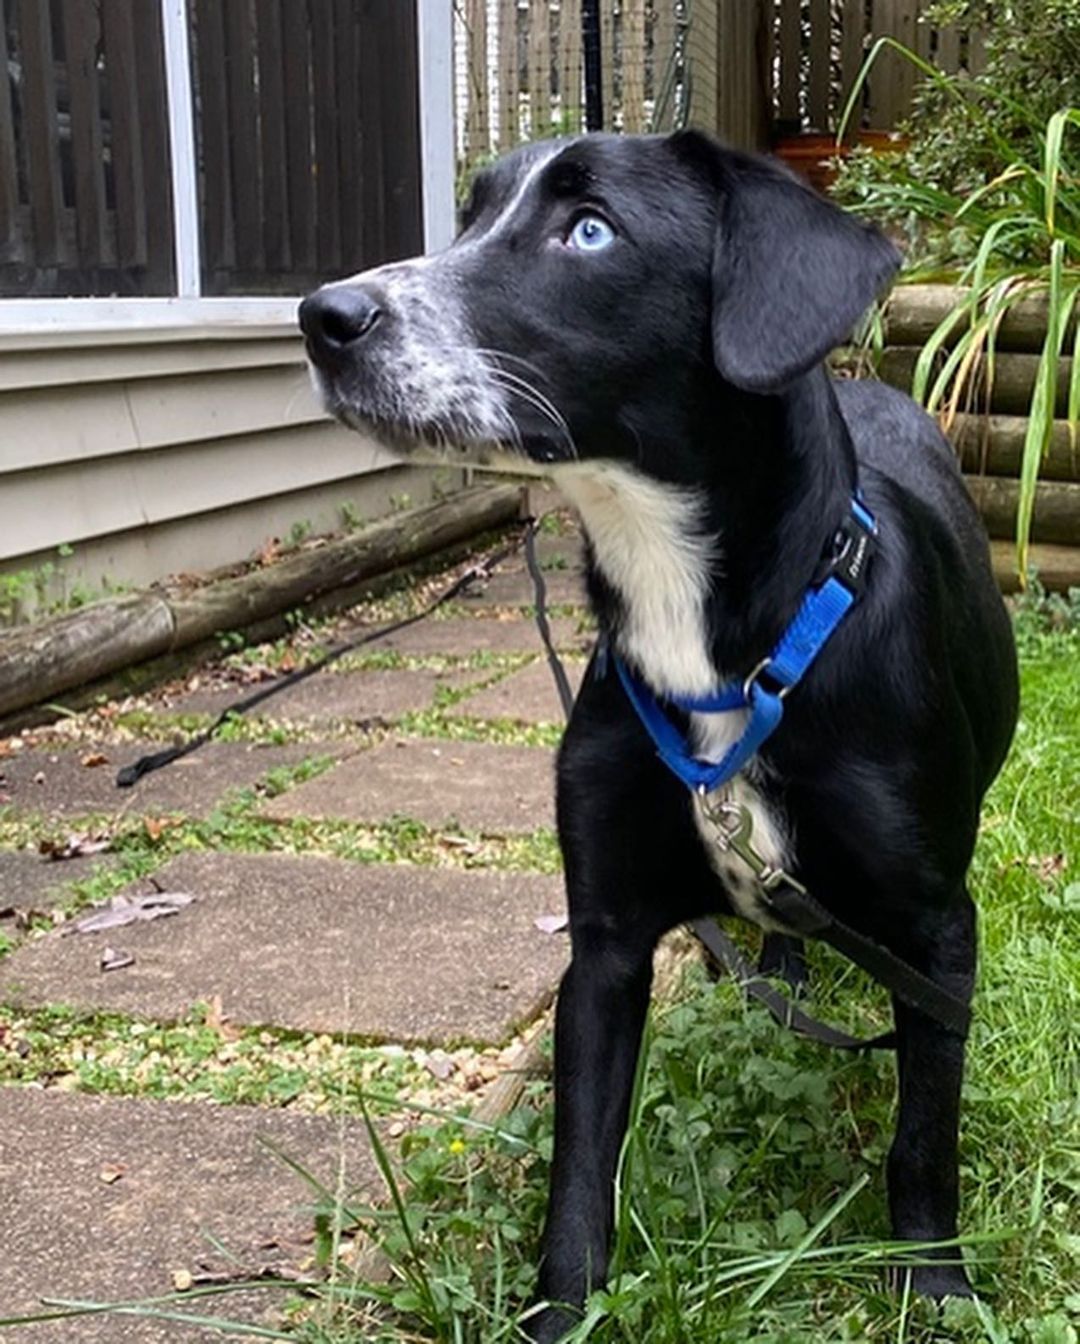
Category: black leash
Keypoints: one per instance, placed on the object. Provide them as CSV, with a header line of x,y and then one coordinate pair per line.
x,y
131,774
797,908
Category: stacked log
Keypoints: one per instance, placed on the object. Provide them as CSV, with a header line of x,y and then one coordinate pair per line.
x,y
989,433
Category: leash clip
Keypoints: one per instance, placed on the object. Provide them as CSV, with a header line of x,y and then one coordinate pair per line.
x,y
734,825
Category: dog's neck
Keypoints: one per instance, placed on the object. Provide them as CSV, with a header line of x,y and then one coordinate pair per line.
x,y
700,558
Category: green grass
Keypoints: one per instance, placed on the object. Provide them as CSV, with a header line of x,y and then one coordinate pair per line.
x,y
751,1196
752,1203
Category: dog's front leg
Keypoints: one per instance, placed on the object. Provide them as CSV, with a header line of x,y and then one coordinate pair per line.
x,y
923,1169
602,1005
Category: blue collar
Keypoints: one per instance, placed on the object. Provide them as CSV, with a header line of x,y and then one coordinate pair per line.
x,y
824,606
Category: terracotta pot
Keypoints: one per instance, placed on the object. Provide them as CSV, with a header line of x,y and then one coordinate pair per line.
x,y
810,154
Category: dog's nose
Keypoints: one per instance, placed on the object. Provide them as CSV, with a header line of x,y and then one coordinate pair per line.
x,y
337,315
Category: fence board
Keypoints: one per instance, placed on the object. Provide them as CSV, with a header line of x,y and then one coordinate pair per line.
x,y
42,131
213,125
507,67
790,49
9,186
271,109
852,54
244,136
327,180
126,151
570,58
80,42
607,61
150,65
703,60
366,195
893,82
402,192
477,123
347,100
976,53
539,68
664,57
633,65
818,91
297,85
948,50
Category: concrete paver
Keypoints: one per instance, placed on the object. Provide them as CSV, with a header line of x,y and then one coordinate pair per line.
x,y
185,1171
497,790
528,696
515,589
478,634
30,881
58,784
336,697
397,953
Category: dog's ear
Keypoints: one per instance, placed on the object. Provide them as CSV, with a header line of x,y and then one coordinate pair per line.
x,y
791,272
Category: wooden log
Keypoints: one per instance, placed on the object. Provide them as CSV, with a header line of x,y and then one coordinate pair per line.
x,y
236,603
40,661
914,312
1014,380
1056,516
993,445
1057,567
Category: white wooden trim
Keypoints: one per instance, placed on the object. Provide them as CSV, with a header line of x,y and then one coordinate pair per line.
x,y
69,316
184,165
435,43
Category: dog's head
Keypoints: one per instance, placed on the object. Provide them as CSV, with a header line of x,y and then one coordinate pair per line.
x,y
597,285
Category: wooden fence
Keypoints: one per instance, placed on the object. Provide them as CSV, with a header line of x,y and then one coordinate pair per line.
x,y
751,69
307,126
84,167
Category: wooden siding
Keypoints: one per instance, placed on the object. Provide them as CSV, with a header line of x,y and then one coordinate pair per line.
x,y
106,443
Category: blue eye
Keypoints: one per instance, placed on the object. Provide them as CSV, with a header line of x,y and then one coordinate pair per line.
x,y
591,234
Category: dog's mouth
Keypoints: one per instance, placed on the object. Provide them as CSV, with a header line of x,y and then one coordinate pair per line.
x,y
463,435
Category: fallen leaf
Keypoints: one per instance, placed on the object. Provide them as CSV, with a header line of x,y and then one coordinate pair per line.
x,y
551,923
131,910
110,1172
155,826
95,758
217,1021
112,959
1048,866
76,846
438,1064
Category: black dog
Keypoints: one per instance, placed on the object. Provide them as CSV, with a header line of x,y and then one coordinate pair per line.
x,y
644,320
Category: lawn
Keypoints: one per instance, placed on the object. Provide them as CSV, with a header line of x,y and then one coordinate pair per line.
x,y
751,1197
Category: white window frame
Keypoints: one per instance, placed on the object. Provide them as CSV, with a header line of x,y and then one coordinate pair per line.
x,y
188,309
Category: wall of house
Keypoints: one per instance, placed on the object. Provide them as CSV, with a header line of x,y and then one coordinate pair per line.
x,y
128,455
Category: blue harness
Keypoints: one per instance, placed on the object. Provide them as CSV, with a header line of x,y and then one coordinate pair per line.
x,y
822,609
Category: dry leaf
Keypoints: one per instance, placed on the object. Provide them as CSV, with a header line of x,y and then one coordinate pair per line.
x,y
131,910
95,758
110,1172
217,1021
112,959
438,1064
551,923
76,846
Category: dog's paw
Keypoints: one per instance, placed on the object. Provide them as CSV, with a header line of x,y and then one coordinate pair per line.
x,y
549,1325
936,1281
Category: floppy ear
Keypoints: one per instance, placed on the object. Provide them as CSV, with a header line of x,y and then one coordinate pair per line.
x,y
791,273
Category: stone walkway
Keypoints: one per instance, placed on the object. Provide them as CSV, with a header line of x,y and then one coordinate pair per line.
x,y
368,866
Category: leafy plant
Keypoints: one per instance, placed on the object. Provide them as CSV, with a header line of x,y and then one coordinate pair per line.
x,y
1005,240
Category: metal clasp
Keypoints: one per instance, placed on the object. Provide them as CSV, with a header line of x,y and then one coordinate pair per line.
x,y
748,685
734,832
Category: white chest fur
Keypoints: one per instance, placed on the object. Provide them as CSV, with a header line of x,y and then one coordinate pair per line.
x,y
650,542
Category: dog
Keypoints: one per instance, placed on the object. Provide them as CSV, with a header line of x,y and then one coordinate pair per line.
x,y
644,320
